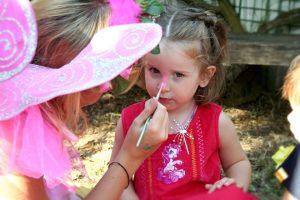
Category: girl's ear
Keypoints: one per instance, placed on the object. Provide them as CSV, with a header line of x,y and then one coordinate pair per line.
x,y
206,75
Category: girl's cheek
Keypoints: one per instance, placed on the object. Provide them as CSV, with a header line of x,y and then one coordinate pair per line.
x,y
294,121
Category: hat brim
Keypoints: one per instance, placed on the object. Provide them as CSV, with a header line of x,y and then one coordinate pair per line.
x,y
111,51
18,37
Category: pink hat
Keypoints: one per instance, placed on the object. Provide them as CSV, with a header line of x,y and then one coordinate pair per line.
x,y
18,36
111,51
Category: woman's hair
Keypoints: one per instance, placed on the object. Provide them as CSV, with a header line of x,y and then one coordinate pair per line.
x,y
65,27
203,37
291,85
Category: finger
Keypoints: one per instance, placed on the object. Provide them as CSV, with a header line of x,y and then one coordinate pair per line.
x,y
212,188
208,186
217,185
159,116
166,123
220,185
150,107
229,181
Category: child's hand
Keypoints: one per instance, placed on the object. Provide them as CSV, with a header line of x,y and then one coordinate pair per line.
x,y
219,184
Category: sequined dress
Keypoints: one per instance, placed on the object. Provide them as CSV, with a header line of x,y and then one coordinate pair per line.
x,y
172,172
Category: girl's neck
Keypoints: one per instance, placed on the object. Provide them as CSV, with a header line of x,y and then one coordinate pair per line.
x,y
178,124
180,118
182,112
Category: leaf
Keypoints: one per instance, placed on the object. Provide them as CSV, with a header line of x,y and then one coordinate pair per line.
x,y
145,19
119,85
154,9
156,50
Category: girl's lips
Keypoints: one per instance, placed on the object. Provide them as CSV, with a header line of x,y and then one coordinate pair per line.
x,y
164,100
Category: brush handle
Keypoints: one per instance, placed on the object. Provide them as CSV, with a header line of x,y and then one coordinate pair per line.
x,y
143,132
148,119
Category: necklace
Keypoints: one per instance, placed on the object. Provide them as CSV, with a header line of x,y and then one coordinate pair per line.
x,y
181,129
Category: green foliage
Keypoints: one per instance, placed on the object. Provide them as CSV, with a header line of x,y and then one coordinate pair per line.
x,y
146,19
156,50
154,8
150,7
119,85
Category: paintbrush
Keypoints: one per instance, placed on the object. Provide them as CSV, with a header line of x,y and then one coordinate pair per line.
x,y
148,119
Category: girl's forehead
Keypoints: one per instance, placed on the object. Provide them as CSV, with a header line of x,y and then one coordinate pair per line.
x,y
170,53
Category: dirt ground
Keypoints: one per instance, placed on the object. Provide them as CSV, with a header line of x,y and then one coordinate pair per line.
x,y
261,125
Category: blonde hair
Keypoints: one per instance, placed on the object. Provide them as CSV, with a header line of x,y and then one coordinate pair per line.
x,y
65,27
291,85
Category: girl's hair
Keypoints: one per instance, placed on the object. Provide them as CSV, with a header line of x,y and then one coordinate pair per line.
x,y
203,37
291,85
65,27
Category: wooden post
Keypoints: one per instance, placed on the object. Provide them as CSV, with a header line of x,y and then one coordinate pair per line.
x,y
272,50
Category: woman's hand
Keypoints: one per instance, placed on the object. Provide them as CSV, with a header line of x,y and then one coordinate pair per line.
x,y
157,132
130,156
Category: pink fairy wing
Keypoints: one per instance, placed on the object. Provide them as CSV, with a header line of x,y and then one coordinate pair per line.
x,y
18,36
124,12
110,52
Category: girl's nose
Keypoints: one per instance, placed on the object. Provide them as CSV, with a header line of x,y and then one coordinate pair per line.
x,y
165,86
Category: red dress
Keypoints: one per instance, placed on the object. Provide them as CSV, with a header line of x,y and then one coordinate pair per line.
x,y
172,173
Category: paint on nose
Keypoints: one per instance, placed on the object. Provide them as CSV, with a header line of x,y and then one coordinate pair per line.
x,y
163,82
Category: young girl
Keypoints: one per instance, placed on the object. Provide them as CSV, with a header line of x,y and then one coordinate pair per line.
x,y
202,138
289,171
41,102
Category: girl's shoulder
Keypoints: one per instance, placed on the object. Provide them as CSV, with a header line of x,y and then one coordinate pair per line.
x,y
210,108
129,113
135,108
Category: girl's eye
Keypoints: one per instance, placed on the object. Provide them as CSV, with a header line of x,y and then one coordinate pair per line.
x,y
154,70
177,74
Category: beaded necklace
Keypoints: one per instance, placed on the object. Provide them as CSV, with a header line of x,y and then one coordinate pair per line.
x,y
180,129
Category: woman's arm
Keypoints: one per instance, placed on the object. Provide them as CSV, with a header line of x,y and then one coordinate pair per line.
x,y
115,179
128,193
21,188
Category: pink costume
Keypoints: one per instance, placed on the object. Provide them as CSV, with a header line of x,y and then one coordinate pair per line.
x,y
172,173
29,144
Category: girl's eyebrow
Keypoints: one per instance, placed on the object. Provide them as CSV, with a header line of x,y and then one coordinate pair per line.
x,y
182,71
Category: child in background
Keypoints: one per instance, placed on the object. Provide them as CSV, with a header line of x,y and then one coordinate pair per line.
x,y
41,103
202,138
289,171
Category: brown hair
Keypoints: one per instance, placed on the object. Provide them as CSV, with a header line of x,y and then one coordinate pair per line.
x,y
203,37
291,85
65,27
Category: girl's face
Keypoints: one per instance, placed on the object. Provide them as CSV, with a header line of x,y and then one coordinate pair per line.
x,y
180,74
294,119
